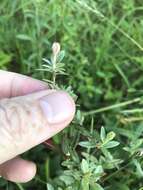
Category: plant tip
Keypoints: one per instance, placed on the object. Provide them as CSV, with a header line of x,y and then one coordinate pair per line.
x,y
56,48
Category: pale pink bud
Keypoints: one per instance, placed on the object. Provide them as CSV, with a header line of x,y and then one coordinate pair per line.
x,y
56,48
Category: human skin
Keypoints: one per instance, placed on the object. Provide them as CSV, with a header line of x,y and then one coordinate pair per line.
x,y
30,113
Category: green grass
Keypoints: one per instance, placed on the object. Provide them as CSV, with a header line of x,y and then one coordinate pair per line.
x,y
103,41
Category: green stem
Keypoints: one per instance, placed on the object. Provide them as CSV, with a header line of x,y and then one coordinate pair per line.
x,y
115,173
54,79
19,186
54,72
132,111
107,108
126,164
40,180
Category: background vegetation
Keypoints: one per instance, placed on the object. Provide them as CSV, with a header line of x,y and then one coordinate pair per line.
x,y
103,41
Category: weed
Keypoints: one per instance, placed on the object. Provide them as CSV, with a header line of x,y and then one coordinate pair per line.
x,y
103,44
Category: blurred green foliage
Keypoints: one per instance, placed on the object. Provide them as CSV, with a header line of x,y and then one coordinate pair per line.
x,y
103,41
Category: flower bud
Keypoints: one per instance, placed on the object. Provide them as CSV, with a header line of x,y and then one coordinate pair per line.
x,y
56,48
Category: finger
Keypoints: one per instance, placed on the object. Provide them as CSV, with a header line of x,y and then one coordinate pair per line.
x,y
29,120
13,84
18,170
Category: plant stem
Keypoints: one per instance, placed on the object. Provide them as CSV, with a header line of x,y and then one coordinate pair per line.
x,y
132,111
54,72
107,108
54,79
126,164
19,186
116,172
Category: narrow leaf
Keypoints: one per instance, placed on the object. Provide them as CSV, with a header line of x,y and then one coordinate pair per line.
x,y
61,55
111,144
102,134
87,144
24,37
49,187
110,136
96,186
84,166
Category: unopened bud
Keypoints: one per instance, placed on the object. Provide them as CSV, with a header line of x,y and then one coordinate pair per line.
x,y
56,48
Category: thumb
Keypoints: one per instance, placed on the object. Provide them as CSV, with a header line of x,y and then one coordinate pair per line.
x,y
26,121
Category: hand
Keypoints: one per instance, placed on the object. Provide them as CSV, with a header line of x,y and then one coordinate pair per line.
x,y
29,115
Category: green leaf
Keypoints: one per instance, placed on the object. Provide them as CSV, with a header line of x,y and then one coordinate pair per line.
x,y
137,143
139,170
98,170
84,166
60,188
49,187
61,55
19,186
24,37
102,134
110,136
87,144
4,59
79,117
47,61
96,186
67,179
111,144
65,147
90,157
85,183
120,186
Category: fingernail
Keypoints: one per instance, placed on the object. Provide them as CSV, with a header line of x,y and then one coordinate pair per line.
x,y
57,107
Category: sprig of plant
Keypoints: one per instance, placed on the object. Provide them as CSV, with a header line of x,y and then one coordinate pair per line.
x,y
87,156
83,170
55,66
